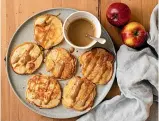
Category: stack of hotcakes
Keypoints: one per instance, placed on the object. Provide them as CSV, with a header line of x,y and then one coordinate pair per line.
x,y
44,91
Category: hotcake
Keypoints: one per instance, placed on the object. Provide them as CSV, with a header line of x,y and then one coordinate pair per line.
x,y
43,91
48,30
97,65
60,63
79,94
26,58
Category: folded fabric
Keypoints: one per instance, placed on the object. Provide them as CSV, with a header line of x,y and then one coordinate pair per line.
x,y
137,75
154,29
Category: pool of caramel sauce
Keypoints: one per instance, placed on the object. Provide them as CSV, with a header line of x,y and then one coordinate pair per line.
x,y
78,30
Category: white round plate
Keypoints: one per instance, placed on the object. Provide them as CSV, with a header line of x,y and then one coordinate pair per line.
x,y
18,82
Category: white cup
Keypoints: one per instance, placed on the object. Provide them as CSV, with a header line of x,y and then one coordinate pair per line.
x,y
80,15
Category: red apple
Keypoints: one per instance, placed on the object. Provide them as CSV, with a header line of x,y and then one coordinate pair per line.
x,y
118,14
134,35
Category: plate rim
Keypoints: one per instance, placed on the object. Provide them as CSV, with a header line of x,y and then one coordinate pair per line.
x,y
8,64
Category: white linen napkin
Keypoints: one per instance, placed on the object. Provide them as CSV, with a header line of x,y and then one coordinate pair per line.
x,y
137,77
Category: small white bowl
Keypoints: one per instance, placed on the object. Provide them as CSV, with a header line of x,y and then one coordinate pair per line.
x,y
79,15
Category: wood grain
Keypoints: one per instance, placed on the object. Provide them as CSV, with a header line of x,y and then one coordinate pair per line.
x,y
15,12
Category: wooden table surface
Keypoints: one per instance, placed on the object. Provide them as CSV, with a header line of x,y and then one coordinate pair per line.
x,y
15,12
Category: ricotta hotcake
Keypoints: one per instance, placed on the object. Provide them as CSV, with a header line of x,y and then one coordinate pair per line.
x,y
26,58
79,94
43,91
97,65
60,63
48,30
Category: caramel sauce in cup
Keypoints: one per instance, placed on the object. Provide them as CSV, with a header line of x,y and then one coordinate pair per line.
x,y
77,31
77,26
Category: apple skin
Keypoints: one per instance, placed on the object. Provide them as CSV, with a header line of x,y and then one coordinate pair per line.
x,y
118,14
134,35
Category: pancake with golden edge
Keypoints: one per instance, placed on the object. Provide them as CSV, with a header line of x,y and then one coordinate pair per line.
x,y
79,94
48,30
97,65
60,63
26,58
43,91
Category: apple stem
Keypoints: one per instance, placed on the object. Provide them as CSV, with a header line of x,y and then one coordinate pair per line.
x,y
135,33
115,16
